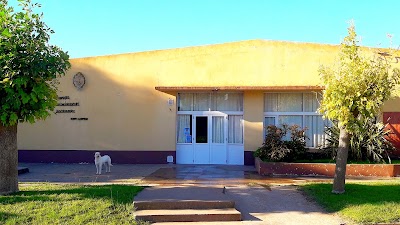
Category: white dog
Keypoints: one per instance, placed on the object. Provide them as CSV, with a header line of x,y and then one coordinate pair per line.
x,y
100,160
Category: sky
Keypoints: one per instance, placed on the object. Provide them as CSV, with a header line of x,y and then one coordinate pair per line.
x,y
105,27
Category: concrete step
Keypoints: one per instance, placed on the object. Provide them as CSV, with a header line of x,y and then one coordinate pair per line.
x,y
214,223
188,215
183,204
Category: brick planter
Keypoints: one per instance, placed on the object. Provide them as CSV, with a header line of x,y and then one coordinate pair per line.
x,y
325,169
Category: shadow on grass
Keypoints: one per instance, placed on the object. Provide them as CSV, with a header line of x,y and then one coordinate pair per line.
x,y
356,194
4,216
119,194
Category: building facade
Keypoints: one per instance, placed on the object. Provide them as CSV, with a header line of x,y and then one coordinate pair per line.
x,y
195,105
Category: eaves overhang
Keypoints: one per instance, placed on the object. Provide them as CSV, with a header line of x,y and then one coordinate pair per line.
x,y
238,88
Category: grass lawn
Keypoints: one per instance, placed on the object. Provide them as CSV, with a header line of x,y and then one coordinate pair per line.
x,y
396,161
366,202
69,204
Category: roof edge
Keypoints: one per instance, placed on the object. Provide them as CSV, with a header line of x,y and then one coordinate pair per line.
x,y
239,88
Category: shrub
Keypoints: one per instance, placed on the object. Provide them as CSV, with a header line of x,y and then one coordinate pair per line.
x,y
297,142
368,143
275,148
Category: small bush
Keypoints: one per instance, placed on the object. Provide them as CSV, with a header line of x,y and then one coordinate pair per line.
x,y
276,149
369,143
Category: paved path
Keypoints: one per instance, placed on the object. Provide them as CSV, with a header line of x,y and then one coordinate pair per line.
x,y
262,200
282,205
268,205
86,173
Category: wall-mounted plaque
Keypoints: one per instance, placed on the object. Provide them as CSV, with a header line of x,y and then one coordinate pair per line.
x,y
79,80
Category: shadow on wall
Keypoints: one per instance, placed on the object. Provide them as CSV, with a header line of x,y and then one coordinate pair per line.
x,y
125,115
252,130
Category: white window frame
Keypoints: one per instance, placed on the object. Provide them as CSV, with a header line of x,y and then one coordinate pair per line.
x,y
277,114
209,100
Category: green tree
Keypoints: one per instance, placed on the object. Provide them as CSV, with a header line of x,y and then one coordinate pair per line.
x,y
29,68
355,90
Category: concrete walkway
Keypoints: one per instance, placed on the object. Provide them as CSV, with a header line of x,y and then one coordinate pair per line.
x,y
258,204
86,173
261,200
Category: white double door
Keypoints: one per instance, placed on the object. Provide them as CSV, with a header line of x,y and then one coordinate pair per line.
x,y
209,138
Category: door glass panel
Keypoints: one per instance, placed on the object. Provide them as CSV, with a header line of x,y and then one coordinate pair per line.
x,y
201,129
218,129
235,129
184,129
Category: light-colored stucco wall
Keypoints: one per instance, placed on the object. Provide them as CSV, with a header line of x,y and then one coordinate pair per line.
x,y
253,117
392,105
125,112
251,63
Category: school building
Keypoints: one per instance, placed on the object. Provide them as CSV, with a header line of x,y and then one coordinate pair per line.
x,y
194,105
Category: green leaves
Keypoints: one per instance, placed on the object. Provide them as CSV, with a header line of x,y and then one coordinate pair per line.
x,y
357,87
5,80
369,142
13,118
6,33
25,98
28,65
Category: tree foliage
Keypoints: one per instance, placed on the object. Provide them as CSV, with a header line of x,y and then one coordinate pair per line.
x,y
29,65
358,86
355,91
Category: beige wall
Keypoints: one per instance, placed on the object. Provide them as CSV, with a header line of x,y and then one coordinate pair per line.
x,y
252,63
125,112
253,116
392,105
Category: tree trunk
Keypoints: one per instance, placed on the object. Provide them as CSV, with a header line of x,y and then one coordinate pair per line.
x,y
341,161
8,160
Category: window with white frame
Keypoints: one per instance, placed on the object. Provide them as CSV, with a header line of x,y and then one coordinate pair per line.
x,y
296,108
219,101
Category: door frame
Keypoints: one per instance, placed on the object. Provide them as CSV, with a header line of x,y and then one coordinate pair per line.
x,y
209,149
201,151
185,151
219,151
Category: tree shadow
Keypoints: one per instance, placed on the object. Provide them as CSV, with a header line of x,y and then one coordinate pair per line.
x,y
118,194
